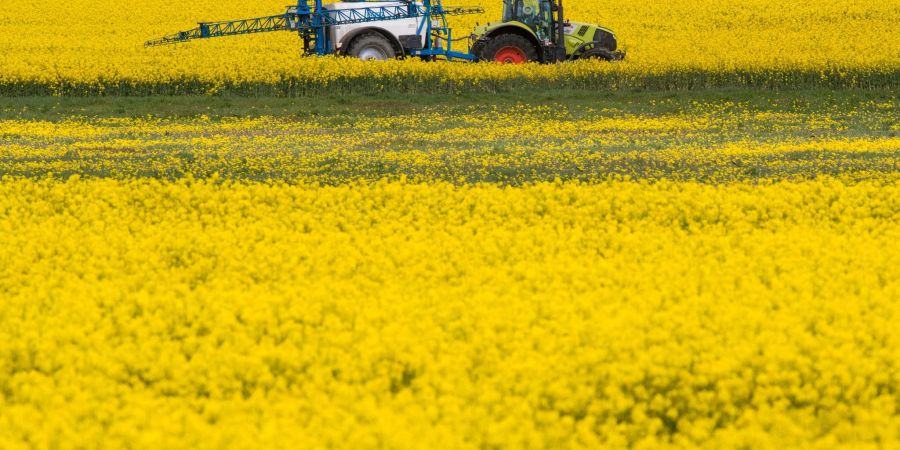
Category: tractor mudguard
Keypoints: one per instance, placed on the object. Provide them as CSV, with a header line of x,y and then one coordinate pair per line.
x,y
484,31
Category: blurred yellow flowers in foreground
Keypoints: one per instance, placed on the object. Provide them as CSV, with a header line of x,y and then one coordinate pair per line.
x,y
217,314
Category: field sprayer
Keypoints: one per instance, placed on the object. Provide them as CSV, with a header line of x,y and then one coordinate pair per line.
x,y
531,30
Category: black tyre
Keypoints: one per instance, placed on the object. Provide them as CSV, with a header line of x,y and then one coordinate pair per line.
x,y
509,49
600,53
371,46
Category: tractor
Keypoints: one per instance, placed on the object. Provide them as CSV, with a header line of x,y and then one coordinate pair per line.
x,y
533,30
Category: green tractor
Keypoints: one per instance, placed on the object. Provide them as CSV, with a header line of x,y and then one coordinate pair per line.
x,y
537,30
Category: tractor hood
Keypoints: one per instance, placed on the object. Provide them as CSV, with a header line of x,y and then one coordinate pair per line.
x,y
578,33
584,30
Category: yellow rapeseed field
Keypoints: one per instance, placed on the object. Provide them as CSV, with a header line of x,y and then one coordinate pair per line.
x,y
94,46
217,314
599,271
715,274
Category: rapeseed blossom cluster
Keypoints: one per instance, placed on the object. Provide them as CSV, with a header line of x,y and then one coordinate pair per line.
x,y
220,314
95,47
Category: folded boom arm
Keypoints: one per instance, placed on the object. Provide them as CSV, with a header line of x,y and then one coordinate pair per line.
x,y
306,22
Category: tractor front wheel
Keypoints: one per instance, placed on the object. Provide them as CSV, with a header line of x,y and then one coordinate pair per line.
x,y
510,49
602,54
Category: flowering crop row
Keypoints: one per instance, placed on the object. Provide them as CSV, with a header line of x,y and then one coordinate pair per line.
x,y
151,314
95,47
716,141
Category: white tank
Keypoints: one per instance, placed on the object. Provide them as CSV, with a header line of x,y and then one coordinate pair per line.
x,y
341,35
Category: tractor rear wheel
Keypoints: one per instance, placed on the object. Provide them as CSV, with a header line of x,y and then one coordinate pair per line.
x,y
510,49
371,46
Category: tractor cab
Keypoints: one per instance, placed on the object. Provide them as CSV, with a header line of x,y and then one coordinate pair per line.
x,y
535,14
